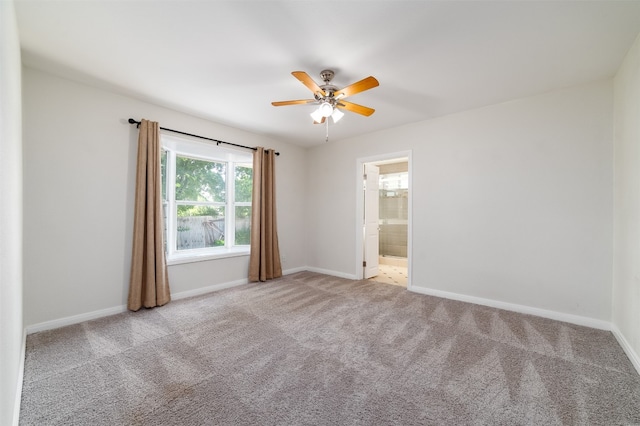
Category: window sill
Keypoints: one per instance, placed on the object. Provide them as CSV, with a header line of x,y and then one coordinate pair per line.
x,y
201,257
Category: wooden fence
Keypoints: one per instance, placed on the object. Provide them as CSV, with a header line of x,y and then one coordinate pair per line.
x,y
204,231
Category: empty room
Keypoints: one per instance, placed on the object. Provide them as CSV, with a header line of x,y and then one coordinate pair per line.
x,y
313,213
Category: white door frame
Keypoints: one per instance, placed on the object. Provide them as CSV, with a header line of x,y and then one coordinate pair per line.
x,y
360,210
371,225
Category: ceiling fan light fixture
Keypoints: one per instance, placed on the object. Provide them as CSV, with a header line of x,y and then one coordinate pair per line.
x,y
337,115
317,115
325,109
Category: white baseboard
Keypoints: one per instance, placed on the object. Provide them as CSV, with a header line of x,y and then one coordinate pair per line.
x,y
295,270
208,289
573,319
626,346
559,316
218,287
75,319
332,273
20,379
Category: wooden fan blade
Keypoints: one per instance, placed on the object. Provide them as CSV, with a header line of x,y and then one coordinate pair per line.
x,y
308,81
350,106
321,121
357,87
297,102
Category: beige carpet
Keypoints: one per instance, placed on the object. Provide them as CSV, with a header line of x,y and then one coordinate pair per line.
x,y
310,349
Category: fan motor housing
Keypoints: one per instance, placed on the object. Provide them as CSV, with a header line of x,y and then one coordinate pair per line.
x,y
329,89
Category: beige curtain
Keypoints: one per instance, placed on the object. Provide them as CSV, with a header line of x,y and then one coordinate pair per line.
x,y
264,262
149,284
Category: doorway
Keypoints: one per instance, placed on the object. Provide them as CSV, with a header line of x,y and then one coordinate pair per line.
x,y
384,219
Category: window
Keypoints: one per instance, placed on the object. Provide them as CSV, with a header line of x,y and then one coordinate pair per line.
x,y
206,194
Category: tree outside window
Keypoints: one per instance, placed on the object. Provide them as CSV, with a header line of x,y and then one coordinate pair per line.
x,y
198,194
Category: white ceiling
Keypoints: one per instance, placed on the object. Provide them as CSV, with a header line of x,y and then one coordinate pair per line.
x,y
227,60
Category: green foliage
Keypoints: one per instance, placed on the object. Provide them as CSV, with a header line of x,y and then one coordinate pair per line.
x,y
243,212
243,237
244,183
200,180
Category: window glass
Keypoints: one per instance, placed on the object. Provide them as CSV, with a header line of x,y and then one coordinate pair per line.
x,y
200,227
201,217
243,225
244,182
200,180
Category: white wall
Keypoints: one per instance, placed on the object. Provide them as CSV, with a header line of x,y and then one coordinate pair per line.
x,y
511,202
79,177
11,335
626,277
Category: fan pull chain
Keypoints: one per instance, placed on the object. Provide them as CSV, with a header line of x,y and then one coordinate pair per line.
x,y
327,123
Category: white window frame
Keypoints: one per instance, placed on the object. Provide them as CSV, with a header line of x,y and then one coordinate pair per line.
x,y
176,146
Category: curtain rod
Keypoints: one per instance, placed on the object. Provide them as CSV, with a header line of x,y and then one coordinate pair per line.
x,y
137,123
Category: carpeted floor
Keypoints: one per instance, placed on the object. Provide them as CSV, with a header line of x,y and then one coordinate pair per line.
x,y
311,349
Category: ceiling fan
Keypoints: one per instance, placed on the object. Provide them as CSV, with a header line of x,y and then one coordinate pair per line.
x,y
329,98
